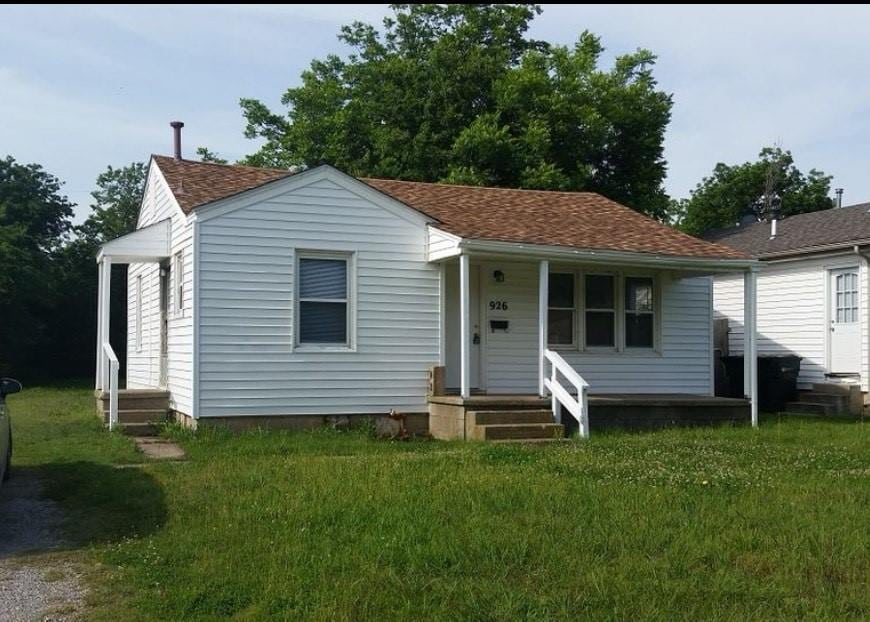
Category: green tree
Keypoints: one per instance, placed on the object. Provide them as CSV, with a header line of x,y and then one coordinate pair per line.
x,y
34,224
731,191
115,208
459,93
207,155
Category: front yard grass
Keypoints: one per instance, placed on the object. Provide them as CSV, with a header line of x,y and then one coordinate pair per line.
x,y
710,523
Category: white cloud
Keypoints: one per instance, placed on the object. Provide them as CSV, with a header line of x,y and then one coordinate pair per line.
x,y
83,87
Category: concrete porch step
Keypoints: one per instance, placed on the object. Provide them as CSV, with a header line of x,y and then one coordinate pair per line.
x,y
136,399
516,431
150,415
836,400
811,408
835,388
140,429
495,417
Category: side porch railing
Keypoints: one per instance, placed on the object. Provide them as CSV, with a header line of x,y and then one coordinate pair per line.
x,y
579,406
110,380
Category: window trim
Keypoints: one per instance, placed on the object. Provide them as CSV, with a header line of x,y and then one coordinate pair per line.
x,y
575,336
178,289
138,314
619,311
349,257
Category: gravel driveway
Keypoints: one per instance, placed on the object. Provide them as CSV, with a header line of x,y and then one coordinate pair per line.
x,y
34,583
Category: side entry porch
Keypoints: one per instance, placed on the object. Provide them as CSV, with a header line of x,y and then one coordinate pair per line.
x,y
136,410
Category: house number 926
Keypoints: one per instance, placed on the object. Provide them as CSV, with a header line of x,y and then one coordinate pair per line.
x,y
498,305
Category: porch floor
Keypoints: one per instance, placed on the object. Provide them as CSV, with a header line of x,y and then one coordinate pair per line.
x,y
612,410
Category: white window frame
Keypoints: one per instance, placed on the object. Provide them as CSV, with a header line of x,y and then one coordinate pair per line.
x,y
138,314
654,313
575,310
350,301
178,271
619,312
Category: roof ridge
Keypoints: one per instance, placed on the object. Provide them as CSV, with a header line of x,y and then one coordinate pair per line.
x,y
226,165
446,185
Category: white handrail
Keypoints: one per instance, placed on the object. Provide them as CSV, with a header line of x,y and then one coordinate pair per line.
x,y
578,407
112,370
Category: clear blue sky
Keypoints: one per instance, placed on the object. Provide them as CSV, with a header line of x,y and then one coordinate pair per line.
x,y
84,87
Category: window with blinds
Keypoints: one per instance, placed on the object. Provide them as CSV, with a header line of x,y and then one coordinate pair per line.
x,y
324,294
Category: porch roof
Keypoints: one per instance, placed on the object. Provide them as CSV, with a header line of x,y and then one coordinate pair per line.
x,y
149,243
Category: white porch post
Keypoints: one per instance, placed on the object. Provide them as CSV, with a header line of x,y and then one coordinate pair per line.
x,y
99,367
543,303
750,342
106,289
464,325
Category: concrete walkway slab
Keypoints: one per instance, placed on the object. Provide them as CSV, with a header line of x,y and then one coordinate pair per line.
x,y
159,448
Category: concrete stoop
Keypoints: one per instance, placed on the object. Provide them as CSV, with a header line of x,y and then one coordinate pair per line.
x,y
140,411
828,399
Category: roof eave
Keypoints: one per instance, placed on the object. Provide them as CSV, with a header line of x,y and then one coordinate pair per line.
x,y
813,250
606,257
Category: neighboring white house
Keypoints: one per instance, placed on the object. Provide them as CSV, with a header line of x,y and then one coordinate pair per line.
x,y
812,292
257,293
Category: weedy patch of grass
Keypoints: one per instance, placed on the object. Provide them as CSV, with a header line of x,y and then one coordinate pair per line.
x,y
708,523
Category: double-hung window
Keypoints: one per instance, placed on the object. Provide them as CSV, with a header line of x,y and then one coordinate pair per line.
x,y
600,313
639,312
561,309
324,297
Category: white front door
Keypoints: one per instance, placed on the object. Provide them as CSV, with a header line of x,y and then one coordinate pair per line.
x,y
452,327
845,327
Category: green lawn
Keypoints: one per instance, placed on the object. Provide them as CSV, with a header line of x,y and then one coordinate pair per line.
x,y
721,523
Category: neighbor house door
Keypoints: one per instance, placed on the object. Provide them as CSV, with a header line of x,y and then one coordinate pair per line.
x,y
845,325
452,328
164,325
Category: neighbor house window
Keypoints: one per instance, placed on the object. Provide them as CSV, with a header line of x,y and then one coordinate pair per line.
x,y
561,315
324,294
600,297
139,313
179,281
639,312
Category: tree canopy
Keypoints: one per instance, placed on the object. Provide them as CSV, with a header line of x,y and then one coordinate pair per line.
x,y
35,219
731,190
459,93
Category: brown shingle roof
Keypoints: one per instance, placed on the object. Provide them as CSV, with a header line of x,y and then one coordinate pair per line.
x,y
582,220
798,234
197,183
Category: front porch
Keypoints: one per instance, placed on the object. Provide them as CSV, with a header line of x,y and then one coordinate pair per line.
x,y
608,339
530,417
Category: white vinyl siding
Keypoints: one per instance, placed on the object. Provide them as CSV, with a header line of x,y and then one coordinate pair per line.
x,y
143,365
793,312
247,254
441,244
682,363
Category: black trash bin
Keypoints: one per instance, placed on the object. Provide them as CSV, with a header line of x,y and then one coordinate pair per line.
x,y
777,380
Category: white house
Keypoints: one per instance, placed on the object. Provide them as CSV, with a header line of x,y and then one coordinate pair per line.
x,y
261,296
812,296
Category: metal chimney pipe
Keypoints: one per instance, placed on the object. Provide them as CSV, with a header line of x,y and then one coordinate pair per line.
x,y
839,193
176,135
